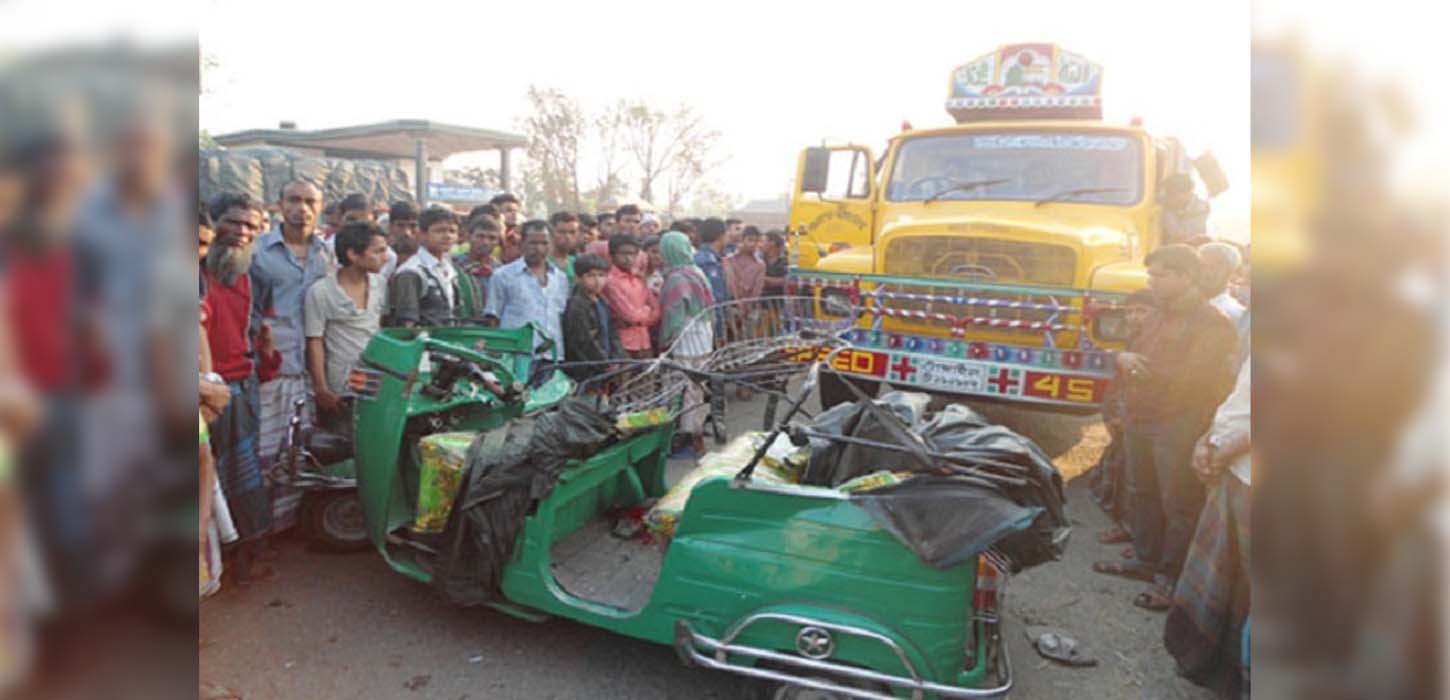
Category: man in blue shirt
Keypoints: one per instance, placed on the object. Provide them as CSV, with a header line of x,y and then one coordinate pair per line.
x,y
530,290
707,258
288,260
712,246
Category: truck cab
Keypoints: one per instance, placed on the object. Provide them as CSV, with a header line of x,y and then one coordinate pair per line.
x,y
1010,236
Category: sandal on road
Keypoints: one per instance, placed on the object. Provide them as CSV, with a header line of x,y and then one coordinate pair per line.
x,y
1058,646
1153,599
1132,569
1115,535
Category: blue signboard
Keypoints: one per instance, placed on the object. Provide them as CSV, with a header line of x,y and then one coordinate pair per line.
x,y
441,192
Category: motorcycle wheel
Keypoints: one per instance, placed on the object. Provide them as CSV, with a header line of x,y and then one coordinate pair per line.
x,y
333,521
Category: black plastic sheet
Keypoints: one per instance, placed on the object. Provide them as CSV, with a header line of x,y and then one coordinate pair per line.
x,y
998,491
500,485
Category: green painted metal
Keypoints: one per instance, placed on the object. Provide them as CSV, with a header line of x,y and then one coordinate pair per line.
x,y
384,462
737,552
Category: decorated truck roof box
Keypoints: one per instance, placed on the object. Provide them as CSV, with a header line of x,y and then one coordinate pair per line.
x,y
1026,81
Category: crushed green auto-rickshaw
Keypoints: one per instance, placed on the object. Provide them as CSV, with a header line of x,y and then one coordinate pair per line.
x,y
497,480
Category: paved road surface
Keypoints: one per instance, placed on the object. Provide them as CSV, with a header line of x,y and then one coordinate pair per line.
x,y
345,626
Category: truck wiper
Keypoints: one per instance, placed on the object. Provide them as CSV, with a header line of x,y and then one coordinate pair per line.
x,y
964,186
1075,192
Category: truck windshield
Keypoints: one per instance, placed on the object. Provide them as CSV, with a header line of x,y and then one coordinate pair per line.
x,y
1023,165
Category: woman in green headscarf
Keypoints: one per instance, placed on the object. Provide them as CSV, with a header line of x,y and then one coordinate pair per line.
x,y
686,329
684,294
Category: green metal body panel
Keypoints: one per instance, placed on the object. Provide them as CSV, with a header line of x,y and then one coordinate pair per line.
x,y
387,468
737,552
345,469
741,551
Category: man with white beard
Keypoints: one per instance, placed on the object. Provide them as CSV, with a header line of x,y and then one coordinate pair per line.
x,y
234,340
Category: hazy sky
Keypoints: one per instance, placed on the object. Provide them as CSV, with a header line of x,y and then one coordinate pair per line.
x,y
771,76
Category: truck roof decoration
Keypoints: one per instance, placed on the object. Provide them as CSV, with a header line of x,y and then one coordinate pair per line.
x,y
1026,81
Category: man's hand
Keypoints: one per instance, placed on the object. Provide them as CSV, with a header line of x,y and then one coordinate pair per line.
x,y
1205,461
214,399
265,344
327,402
1132,364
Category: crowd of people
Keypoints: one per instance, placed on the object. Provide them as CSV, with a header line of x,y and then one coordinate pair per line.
x,y
1176,475
288,308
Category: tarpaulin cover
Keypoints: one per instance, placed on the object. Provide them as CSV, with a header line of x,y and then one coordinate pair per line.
x,y
501,483
944,517
261,171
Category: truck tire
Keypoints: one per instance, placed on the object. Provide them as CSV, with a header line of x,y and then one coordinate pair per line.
x,y
333,521
834,390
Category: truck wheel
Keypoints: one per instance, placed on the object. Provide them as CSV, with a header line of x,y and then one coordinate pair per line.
x,y
333,521
834,390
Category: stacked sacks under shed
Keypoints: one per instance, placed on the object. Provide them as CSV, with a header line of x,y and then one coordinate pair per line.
x,y
262,171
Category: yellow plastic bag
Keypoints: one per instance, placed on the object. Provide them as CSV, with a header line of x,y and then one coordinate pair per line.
x,y
664,517
441,458
874,480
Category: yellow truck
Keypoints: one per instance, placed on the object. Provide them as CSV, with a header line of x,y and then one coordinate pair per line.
x,y
988,258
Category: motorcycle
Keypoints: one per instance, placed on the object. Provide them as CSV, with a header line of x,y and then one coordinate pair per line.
x,y
320,464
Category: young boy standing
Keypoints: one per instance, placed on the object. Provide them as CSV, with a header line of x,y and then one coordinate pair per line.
x,y
342,312
424,290
634,307
589,332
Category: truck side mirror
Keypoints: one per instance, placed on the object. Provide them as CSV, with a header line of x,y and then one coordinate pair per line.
x,y
1211,173
817,167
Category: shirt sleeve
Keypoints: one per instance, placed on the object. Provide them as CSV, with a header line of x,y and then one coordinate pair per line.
x,y
313,320
403,294
1232,424
261,297
494,296
579,343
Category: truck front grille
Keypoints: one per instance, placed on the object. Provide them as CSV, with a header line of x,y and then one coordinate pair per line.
x,y
981,260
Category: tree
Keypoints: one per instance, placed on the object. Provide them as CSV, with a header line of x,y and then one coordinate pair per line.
x,y
676,145
711,201
555,129
609,180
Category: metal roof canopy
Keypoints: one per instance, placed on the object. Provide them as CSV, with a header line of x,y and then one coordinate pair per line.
x,y
419,139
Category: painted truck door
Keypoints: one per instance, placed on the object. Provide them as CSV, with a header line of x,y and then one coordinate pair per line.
x,y
832,203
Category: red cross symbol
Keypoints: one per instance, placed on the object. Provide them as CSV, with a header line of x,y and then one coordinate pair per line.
x,y
903,369
1003,381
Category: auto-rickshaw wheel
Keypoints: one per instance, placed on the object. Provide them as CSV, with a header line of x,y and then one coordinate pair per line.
x,y
334,522
761,689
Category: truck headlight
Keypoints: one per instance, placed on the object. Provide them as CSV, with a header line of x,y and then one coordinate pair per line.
x,y
836,302
1111,325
